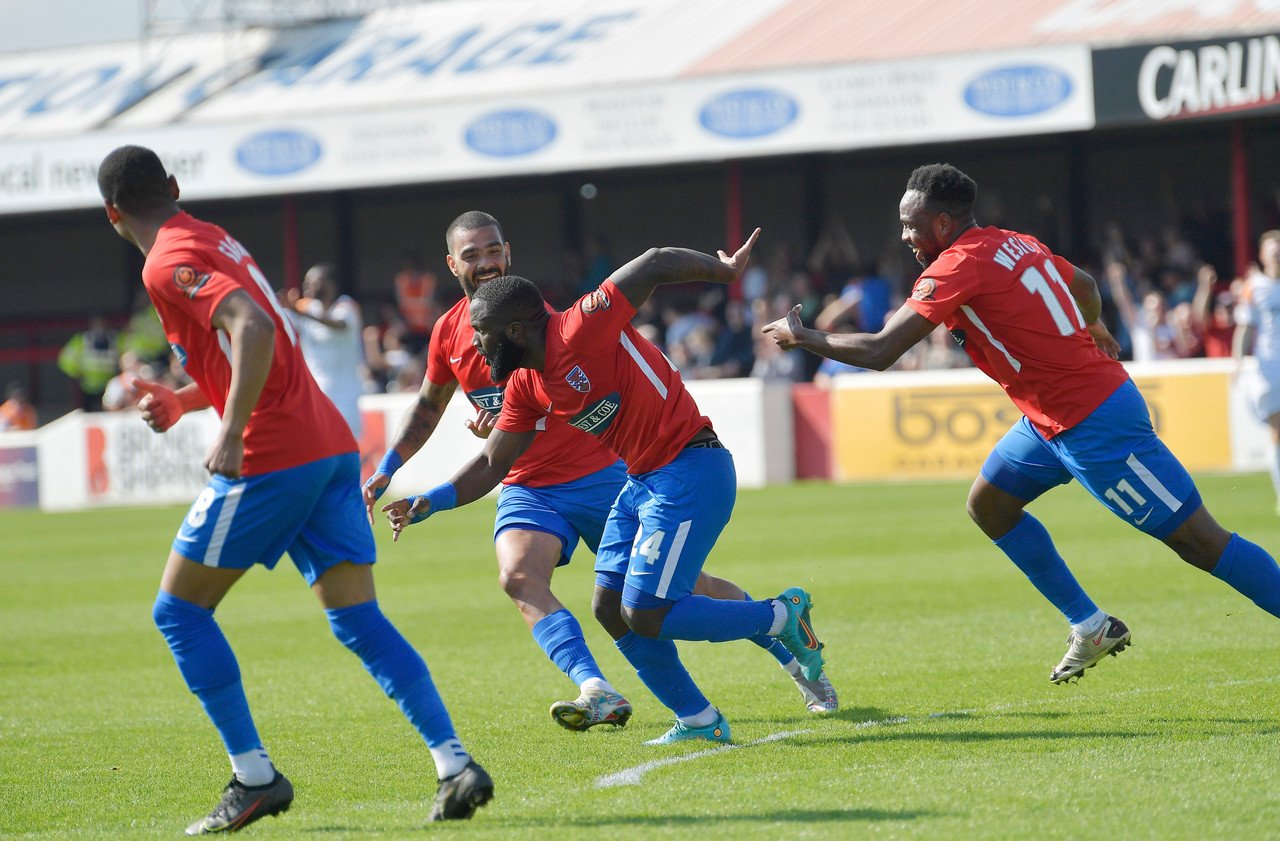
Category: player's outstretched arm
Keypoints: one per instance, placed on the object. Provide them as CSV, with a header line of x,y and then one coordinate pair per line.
x,y
415,428
876,351
638,278
480,475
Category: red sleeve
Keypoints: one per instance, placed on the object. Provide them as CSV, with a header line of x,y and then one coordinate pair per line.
x,y
521,410
438,369
595,321
943,288
185,281
1065,267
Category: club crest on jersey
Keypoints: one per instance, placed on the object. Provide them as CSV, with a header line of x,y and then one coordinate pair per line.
x,y
595,419
578,379
597,300
489,399
188,280
925,287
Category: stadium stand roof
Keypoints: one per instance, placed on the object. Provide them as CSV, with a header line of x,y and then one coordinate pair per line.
x,y
469,88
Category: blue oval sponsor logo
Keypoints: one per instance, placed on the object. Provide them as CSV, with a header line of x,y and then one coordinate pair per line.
x,y
751,112
281,152
1018,91
506,134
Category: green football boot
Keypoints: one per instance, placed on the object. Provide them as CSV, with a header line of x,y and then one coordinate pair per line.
x,y
797,632
716,731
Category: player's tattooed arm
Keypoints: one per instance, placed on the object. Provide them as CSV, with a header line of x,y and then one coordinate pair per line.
x,y
422,418
638,278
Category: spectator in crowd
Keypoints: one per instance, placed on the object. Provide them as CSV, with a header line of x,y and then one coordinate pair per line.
x,y
734,351
120,393
143,335
329,327
833,258
416,298
1212,312
16,412
598,263
1258,332
385,351
90,358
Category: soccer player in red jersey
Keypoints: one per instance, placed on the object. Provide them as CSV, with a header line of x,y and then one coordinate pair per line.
x,y
559,491
285,477
1031,321
589,368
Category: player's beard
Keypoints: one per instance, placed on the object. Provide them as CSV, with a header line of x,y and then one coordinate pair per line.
x,y
505,359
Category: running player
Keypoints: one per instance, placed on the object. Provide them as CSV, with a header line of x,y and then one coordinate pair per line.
x,y
1031,321
1257,319
589,367
285,477
558,491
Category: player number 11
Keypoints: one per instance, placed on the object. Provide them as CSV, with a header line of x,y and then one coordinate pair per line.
x,y
1036,283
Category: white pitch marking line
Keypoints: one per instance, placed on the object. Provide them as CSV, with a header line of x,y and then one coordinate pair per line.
x,y
633,776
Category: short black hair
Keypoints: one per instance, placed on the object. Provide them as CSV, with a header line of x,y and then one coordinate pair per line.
x,y
509,298
134,179
945,189
472,220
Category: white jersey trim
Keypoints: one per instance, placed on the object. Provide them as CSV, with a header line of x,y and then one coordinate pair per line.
x,y
634,353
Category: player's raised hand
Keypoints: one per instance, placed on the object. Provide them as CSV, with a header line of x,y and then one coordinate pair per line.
x,y
159,405
1103,339
784,331
738,262
405,512
482,424
372,490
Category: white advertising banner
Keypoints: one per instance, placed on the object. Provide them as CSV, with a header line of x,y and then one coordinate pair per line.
x,y
105,459
827,108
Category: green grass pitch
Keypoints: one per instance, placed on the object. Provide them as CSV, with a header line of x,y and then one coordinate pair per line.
x,y
939,648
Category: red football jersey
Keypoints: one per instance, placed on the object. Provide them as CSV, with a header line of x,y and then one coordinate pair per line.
x,y
1004,297
606,379
191,268
559,454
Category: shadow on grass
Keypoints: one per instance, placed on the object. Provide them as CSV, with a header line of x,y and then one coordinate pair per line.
x,y
802,816
711,822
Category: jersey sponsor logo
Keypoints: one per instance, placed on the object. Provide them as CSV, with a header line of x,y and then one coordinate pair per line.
x,y
489,399
1018,90
578,379
188,280
924,289
597,300
595,419
454,360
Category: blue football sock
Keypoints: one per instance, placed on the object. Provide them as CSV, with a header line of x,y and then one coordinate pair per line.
x,y
209,667
771,644
560,636
1030,547
1252,571
396,666
659,668
715,620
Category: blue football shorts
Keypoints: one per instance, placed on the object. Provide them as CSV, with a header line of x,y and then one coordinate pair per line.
x,y
664,524
1114,453
313,511
569,511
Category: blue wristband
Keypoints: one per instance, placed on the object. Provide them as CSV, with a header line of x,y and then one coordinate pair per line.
x,y
442,498
391,462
